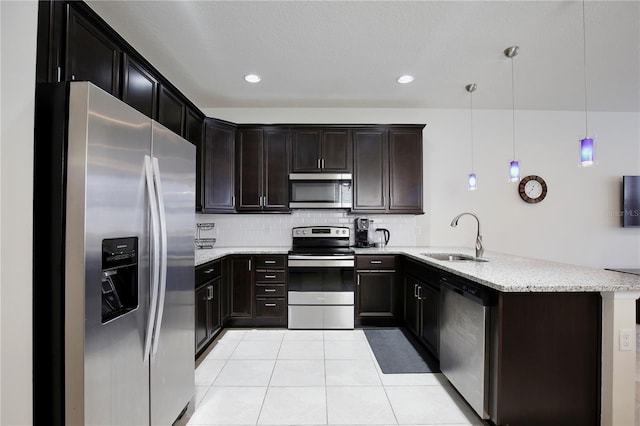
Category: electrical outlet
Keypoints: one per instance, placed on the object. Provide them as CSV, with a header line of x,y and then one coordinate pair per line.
x,y
626,335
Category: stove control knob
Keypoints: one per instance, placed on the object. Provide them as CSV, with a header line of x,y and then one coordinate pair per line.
x,y
304,231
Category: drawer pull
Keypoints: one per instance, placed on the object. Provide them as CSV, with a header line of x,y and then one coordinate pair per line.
x,y
208,271
269,290
376,262
269,276
269,261
270,305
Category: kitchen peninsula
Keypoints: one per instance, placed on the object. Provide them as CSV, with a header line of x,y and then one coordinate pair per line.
x,y
539,304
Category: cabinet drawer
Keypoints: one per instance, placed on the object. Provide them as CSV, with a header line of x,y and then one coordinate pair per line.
x,y
266,290
207,272
269,277
373,262
270,307
269,261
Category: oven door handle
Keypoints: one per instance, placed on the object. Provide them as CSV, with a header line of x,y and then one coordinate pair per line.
x,y
321,263
320,257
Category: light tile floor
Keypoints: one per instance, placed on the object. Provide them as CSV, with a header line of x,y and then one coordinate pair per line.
x,y
295,377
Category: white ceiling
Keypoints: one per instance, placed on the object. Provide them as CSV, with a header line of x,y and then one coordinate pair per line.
x,y
349,53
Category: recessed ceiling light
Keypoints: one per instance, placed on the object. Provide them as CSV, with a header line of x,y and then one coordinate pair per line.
x,y
404,79
252,78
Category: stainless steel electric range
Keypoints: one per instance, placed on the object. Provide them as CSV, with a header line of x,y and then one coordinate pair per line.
x,y
321,278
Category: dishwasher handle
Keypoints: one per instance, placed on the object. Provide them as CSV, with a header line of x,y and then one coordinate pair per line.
x,y
475,292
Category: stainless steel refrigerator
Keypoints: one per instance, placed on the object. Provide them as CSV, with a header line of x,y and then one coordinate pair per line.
x,y
116,319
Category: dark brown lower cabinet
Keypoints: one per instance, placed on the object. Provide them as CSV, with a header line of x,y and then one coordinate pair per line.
x,y
207,304
256,291
240,287
421,289
545,359
376,293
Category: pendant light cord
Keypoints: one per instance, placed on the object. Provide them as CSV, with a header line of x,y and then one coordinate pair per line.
x,y
513,108
584,59
471,112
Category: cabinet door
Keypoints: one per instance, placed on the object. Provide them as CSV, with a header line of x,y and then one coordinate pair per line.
x,y
218,167
405,170
370,174
336,150
249,169
213,322
139,87
305,150
170,110
240,286
375,294
276,170
202,303
411,303
430,326
91,55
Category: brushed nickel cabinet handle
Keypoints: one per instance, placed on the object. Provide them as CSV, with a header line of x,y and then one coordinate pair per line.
x,y
269,276
269,290
376,262
269,305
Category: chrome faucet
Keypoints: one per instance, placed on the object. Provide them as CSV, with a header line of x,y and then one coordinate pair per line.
x,y
479,248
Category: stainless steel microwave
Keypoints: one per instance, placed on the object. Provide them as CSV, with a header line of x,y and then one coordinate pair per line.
x,y
320,190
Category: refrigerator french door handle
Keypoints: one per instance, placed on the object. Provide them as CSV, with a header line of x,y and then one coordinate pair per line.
x,y
155,256
163,254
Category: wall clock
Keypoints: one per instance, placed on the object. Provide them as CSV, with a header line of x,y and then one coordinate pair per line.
x,y
532,189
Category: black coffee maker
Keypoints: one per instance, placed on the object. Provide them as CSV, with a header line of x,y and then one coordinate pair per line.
x,y
361,227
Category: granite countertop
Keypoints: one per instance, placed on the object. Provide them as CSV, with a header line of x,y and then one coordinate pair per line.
x,y
502,272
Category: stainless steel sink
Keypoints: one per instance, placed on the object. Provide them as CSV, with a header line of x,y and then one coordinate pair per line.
x,y
454,257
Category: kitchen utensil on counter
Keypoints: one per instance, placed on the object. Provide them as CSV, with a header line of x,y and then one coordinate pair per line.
x,y
361,227
386,234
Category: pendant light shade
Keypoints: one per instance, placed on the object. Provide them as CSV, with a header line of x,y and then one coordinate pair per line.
x,y
587,153
514,165
587,157
473,182
514,171
472,178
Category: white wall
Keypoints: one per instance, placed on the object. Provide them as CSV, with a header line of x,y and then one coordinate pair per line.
x,y
578,221
18,46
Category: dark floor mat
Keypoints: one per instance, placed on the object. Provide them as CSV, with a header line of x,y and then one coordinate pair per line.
x,y
397,352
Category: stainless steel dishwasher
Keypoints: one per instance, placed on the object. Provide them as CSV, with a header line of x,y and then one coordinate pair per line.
x,y
464,345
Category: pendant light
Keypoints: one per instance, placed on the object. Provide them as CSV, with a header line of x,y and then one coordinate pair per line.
x,y
473,179
514,165
587,154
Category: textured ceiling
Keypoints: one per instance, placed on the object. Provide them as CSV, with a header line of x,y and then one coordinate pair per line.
x,y
349,53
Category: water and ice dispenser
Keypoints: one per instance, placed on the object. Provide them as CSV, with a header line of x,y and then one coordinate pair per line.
x,y
119,277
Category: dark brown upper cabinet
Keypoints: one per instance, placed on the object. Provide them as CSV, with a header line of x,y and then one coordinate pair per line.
x,y
90,54
387,175
218,167
194,133
370,170
262,172
321,150
139,87
170,110
405,170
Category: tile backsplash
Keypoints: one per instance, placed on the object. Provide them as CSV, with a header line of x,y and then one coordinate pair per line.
x,y
274,230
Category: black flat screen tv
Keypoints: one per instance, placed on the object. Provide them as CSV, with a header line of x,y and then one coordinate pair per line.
x,y
630,201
